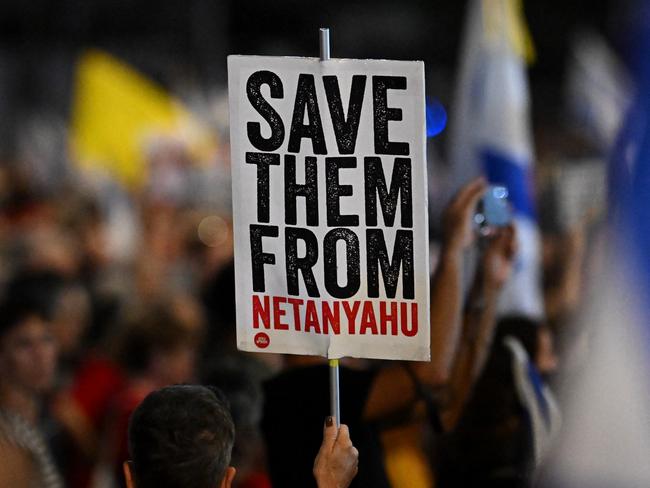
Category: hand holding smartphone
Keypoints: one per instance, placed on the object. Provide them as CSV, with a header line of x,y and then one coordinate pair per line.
x,y
493,210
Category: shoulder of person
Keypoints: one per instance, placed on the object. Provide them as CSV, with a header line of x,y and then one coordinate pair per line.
x,y
17,467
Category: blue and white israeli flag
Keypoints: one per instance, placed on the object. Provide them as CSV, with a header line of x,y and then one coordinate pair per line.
x,y
491,134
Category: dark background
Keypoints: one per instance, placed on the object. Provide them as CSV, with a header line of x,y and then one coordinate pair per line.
x,y
185,43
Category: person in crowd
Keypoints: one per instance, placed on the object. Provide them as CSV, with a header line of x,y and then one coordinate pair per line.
x,y
512,417
494,266
183,435
299,395
69,324
158,348
83,403
28,358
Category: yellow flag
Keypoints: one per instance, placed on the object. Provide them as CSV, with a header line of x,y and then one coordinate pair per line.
x,y
117,113
519,33
506,18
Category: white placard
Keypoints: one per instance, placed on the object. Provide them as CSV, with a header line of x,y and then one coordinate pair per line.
x,y
330,206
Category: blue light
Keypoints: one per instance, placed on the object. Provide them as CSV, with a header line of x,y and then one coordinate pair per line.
x,y
436,117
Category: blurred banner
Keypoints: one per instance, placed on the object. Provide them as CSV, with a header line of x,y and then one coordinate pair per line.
x,y
118,116
606,440
491,132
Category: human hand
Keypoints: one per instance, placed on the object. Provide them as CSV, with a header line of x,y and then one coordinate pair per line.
x,y
498,258
337,461
457,230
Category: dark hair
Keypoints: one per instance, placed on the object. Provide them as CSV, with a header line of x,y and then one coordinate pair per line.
x,y
181,436
28,294
520,327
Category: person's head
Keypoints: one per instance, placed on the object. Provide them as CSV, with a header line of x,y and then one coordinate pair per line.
x,y
181,436
156,343
28,351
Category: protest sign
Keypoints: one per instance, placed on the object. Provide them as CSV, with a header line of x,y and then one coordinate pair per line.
x,y
330,206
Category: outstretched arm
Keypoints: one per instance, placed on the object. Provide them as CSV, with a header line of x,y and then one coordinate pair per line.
x,y
447,288
493,270
393,389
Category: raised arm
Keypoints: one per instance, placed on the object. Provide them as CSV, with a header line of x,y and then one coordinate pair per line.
x,y
393,389
493,270
447,287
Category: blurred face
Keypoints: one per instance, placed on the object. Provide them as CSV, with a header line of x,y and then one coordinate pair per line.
x,y
175,365
70,320
28,356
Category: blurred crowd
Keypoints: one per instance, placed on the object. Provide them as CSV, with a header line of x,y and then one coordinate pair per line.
x,y
111,291
135,290
110,294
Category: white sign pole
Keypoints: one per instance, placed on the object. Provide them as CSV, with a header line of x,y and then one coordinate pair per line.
x,y
335,404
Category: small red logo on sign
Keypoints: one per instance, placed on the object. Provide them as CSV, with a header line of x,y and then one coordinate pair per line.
x,y
262,340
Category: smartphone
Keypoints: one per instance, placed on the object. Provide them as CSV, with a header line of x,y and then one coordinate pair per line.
x,y
493,210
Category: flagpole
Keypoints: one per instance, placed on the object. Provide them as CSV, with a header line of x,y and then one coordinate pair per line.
x,y
335,405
